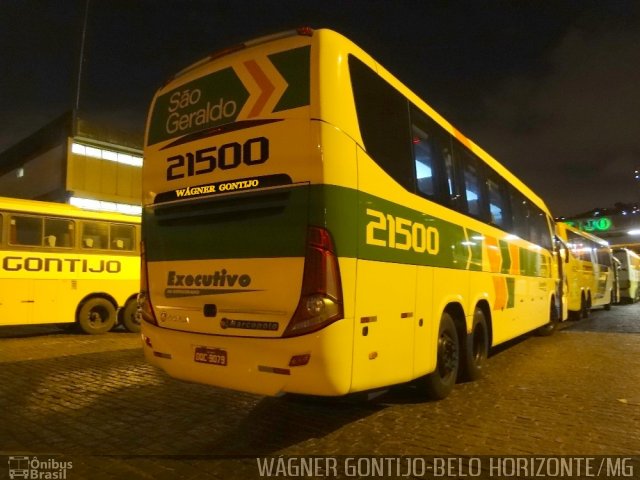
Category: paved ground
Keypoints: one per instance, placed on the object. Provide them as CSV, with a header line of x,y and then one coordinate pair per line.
x,y
93,401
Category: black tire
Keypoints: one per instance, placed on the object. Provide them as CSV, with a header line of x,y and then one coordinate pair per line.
x,y
96,315
476,351
552,326
129,316
438,385
585,308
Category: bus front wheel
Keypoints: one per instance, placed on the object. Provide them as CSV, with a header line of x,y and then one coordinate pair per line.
x,y
96,315
438,385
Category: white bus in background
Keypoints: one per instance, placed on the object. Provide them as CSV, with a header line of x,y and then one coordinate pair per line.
x,y
629,274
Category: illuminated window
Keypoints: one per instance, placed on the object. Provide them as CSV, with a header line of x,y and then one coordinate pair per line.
x,y
93,152
91,204
110,155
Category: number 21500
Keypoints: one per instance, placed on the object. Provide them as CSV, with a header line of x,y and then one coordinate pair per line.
x,y
401,234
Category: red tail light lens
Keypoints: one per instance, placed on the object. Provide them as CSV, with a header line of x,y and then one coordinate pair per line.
x,y
321,295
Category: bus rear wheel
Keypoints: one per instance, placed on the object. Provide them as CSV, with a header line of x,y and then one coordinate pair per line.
x,y
96,315
477,348
438,385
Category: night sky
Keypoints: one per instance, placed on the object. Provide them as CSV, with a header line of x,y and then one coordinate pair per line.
x,y
551,89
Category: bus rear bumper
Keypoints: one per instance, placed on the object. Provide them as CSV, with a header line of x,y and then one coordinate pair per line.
x,y
265,366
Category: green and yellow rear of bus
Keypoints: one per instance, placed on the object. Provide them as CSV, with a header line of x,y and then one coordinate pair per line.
x,y
278,257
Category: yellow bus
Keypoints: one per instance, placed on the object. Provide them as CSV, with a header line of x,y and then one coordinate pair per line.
x,y
589,271
311,226
64,265
629,275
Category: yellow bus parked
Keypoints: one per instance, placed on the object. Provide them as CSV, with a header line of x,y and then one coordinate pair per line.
x,y
590,271
311,226
61,264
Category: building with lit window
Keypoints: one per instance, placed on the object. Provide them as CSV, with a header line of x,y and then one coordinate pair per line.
x,y
77,162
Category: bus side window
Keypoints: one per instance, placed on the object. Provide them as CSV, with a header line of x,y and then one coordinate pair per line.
x,y
519,215
383,118
498,202
539,233
431,145
472,182
58,232
423,153
473,189
26,231
122,237
453,188
95,235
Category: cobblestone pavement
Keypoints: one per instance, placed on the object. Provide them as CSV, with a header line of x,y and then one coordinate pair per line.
x,y
93,401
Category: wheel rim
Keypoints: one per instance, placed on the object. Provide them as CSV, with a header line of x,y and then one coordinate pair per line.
x,y
133,317
98,316
447,355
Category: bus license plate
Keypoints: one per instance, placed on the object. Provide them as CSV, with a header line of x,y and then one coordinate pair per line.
x,y
212,356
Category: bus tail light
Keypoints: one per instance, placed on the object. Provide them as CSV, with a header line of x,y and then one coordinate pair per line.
x,y
145,310
321,295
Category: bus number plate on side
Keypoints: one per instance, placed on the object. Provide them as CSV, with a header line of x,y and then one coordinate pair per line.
x,y
212,356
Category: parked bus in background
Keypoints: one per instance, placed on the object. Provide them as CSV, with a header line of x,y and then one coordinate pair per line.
x,y
589,271
629,277
62,264
311,226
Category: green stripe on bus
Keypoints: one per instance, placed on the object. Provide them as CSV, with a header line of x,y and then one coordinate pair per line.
x,y
506,256
474,241
530,262
511,288
274,224
420,238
